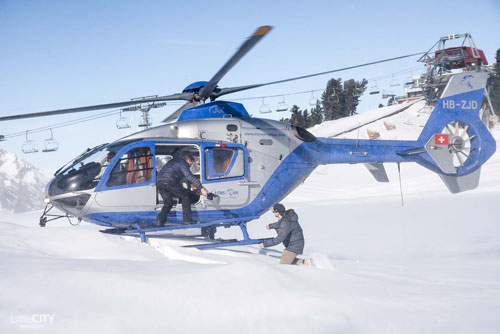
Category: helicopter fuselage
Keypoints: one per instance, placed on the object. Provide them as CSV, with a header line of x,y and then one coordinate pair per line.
x,y
236,157
252,163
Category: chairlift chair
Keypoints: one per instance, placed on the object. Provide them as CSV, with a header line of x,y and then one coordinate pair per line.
x,y
334,98
394,82
264,108
282,106
50,145
29,146
313,100
374,89
122,122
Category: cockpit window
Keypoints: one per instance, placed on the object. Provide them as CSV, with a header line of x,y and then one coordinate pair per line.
x,y
86,171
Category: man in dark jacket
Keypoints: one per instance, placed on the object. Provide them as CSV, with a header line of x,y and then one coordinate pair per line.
x,y
289,233
169,184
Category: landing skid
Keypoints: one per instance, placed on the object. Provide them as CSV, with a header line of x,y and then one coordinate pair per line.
x,y
47,217
113,231
209,229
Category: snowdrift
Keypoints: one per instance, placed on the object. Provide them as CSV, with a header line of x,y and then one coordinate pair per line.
x,y
431,265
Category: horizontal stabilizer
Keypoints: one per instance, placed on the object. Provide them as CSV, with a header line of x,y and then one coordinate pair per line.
x,y
378,171
458,184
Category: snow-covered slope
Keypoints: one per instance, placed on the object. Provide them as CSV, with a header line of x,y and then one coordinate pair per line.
x,y
430,266
21,184
409,118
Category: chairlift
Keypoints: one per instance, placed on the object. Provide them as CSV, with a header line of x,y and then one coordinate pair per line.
x,y
264,108
334,98
387,94
374,89
50,145
356,92
122,122
394,82
282,106
313,100
29,146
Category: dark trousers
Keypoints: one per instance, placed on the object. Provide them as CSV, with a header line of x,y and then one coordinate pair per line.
x,y
168,192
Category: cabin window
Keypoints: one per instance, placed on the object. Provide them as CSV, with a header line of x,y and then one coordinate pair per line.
x,y
224,162
135,166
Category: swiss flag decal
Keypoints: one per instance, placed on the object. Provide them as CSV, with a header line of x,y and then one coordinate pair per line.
x,y
441,139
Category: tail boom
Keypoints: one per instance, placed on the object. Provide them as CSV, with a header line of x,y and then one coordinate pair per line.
x,y
454,143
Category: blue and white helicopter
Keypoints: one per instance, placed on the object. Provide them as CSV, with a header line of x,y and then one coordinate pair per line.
x,y
252,163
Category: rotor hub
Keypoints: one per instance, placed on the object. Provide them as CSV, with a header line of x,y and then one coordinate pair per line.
x,y
457,144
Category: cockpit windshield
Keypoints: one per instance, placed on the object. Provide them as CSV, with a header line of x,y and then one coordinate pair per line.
x,y
86,170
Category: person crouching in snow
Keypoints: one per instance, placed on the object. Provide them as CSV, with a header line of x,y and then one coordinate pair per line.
x,y
289,233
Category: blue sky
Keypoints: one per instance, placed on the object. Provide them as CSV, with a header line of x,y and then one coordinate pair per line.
x,y
60,54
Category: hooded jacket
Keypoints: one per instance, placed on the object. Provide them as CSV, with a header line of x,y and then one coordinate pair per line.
x,y
289,233
175,171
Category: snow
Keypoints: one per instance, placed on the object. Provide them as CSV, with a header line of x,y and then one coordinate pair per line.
x,y
22,184
430,266
8,166
406,121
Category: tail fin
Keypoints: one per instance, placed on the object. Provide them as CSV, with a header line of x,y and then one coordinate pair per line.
x,y
455,138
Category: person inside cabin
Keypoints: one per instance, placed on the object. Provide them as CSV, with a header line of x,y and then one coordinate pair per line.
x,y
289,233
169,184
117,177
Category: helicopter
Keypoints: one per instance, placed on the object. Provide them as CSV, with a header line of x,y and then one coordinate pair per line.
x,y
248,164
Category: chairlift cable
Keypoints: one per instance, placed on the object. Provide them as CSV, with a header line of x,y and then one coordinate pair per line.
x,y
339,69
277,95
63,124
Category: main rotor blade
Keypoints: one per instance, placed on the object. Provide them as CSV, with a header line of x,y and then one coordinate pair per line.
x,y
173,97
230,90
207,90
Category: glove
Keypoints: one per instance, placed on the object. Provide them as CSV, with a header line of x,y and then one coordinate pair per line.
x,y
211,196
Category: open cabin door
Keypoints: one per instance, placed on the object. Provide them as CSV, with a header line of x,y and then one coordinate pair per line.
x,y
129,181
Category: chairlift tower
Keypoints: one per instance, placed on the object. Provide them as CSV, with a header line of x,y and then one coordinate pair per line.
x,y
146,120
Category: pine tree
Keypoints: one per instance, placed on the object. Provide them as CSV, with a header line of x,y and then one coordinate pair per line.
x,y
494,85
352,91
330,100
341,100
337,101
297,117
316,116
